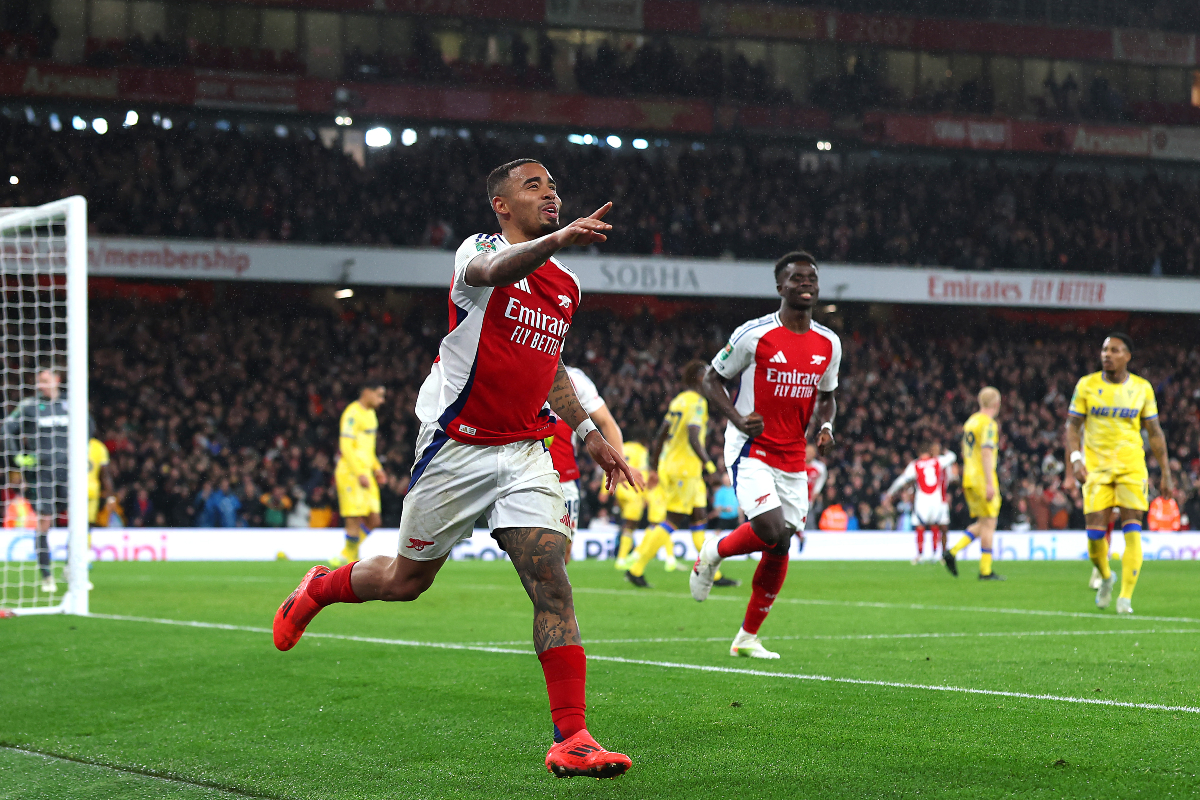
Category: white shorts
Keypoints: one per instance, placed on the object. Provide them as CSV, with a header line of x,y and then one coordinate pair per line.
x,y
930,509
761,488
570,492
453,484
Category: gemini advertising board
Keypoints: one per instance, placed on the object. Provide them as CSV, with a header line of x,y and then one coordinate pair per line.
x,y
316,544
418,267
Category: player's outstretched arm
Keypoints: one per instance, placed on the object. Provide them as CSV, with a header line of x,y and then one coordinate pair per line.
x,y
564,402
822,418
714,389
896,486
1158,446
508,266
1074,436
609,427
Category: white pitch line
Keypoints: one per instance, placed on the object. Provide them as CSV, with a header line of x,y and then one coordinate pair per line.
x,y
895,684
869,636
902,606
344,637
676,665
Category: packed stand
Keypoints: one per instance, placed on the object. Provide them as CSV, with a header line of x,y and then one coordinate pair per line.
x,y
719,202
225,412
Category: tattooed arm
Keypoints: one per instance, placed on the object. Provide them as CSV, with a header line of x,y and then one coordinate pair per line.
x,y
565,404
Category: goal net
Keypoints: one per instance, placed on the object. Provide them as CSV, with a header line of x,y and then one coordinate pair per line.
x,y
44,391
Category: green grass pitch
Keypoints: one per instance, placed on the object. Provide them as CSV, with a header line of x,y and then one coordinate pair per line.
x,y
374,709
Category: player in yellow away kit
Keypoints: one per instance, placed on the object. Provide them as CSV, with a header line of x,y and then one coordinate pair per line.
x,y
359,472
636,504
100,483
1110,408
980,445
679,461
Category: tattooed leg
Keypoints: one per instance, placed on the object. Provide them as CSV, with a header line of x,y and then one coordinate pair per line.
x,y
539,556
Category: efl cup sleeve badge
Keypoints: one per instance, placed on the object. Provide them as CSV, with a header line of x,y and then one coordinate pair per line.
x,y
726,351
485,246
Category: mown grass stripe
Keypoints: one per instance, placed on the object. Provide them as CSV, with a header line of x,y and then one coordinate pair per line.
x,y
677,665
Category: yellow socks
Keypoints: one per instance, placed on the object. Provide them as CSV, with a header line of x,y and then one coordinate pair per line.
x,y
656,536
350,551
967,538
1098,551
625,545
985,563
1131,562
698,540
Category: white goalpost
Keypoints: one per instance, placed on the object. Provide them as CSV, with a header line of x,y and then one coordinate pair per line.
x,y
44,399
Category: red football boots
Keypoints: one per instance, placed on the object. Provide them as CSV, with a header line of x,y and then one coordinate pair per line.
x,y
296,612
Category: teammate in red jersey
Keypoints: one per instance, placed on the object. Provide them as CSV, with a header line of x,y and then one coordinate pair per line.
x,y
928,472
785,369
485,409
562,441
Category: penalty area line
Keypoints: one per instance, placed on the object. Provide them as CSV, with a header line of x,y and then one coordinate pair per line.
x,y
902,606
873,636
679,665
896,684
140,772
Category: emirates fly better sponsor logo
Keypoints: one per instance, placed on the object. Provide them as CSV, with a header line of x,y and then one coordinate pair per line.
x,y
793,383
536,329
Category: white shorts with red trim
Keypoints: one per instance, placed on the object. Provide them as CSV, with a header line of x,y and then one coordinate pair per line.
x,y
930,509
454,484
761,488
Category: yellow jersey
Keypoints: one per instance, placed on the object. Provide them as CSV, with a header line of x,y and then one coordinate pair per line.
x,y
1112,427
980,431
357,440
637,456
97,459
678,458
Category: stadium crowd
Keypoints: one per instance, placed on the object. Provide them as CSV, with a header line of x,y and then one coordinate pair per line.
x,y
744,202
224,411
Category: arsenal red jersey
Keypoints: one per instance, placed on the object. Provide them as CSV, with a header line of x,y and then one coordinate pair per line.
x,y
496,365
929,474
778,374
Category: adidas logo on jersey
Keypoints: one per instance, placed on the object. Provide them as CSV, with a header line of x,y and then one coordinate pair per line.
x,y
778,358
523,285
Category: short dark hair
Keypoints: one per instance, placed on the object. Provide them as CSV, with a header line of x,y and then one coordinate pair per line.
x,y
692,372
1124,337
796,256
497,177
365,385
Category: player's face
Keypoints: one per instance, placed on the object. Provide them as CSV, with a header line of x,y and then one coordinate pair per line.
x,y
798,285
47,383
1114,355
375,397
531,200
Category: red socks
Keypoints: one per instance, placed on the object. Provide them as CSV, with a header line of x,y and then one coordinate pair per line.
x,y
768,580
920,540
743,540
936,540
566,676
333,587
